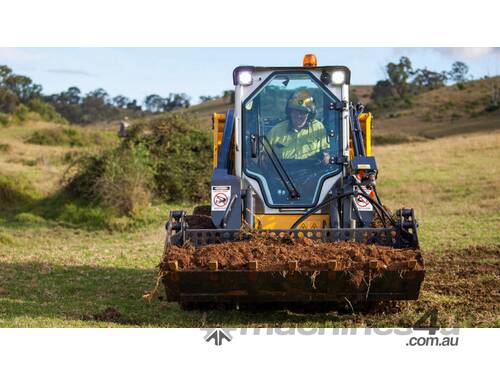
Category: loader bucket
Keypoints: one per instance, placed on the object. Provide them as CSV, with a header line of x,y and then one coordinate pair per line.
x,y
296,281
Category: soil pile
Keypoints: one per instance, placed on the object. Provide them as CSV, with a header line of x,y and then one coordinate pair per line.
x,y
197,221
276,253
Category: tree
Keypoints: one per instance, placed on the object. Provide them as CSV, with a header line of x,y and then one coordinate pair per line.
x,y
134,106
207,98
69,97
8,100
99,94
153,103
120,101
399,75
403,82
73,95
96,107
428,80
459,72
22,86
5,71
228,94
174,101
382,89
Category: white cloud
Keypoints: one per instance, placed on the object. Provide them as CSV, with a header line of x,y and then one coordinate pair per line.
x,y
18,54
468,52
76,72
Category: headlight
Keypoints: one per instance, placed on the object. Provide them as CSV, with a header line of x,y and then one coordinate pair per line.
x,y
244,78
338,77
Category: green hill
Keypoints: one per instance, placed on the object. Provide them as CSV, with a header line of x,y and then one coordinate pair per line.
x,y
449,110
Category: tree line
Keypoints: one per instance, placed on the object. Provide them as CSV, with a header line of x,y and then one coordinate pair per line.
x,y
19,94
98,105
403,82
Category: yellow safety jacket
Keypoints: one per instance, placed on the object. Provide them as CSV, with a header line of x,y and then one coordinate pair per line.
x,y
289,143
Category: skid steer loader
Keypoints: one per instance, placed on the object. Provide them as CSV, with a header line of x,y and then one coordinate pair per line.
x,y
293,158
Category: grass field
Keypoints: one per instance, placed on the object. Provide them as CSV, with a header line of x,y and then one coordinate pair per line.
x,y
57,276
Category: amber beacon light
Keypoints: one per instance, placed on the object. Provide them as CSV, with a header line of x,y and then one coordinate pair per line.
x,y
310,60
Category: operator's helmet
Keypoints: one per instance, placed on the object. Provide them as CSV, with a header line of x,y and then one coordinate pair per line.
x,y
302,100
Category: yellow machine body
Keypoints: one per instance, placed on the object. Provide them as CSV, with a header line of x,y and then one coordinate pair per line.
x,y
365,120
270,221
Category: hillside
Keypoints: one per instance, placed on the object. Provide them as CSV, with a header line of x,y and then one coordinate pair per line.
x,y
44,159
445,111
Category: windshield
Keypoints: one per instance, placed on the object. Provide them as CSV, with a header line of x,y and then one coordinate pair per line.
x,y
290,135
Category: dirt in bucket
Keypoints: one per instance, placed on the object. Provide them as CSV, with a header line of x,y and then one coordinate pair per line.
x,y
276,253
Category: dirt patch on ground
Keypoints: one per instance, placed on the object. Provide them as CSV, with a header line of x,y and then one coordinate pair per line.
x,y
276,253
465,284
110,315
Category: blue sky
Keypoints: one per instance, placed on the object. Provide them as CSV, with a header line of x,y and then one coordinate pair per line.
x,y
136,72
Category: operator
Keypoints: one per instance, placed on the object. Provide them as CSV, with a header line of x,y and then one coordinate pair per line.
x,y
301,136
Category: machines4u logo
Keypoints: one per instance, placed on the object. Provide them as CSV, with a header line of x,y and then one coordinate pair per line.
x,y
217,336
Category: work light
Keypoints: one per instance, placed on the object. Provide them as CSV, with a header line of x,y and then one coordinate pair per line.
x,y
244,78
338,77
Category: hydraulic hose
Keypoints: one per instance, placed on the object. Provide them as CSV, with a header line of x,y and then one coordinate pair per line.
x,y
336,197
377,203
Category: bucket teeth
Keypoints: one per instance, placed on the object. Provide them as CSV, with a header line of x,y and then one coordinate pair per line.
x,y
332,265
173,265
213,265
293,265
412,264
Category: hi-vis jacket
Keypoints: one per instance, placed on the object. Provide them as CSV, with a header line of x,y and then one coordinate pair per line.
x,y
305,143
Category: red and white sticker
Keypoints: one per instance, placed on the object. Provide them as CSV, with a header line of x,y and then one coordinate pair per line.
x,y
362,204
220,197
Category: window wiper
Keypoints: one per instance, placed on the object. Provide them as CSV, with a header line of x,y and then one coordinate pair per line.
x,y
285,178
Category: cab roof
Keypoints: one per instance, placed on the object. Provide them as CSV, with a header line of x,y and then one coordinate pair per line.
x,y
328,68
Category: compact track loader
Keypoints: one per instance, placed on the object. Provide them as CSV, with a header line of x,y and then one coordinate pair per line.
x,y
293,159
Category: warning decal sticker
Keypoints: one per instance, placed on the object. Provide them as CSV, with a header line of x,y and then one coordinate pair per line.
x,y
220,197
362,204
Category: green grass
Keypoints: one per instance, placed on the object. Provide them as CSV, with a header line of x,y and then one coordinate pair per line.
x,y
452,183
64,136
53,275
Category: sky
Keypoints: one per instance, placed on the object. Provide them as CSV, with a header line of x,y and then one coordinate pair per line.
x,y
137,72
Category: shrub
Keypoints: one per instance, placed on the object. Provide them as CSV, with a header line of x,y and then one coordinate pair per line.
x,y
4,119
181,154
64,136
8,100
29,218
126,182
80,177
6,238
21,113
91,217
167,158
121,179
46,111
4,147
15,191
